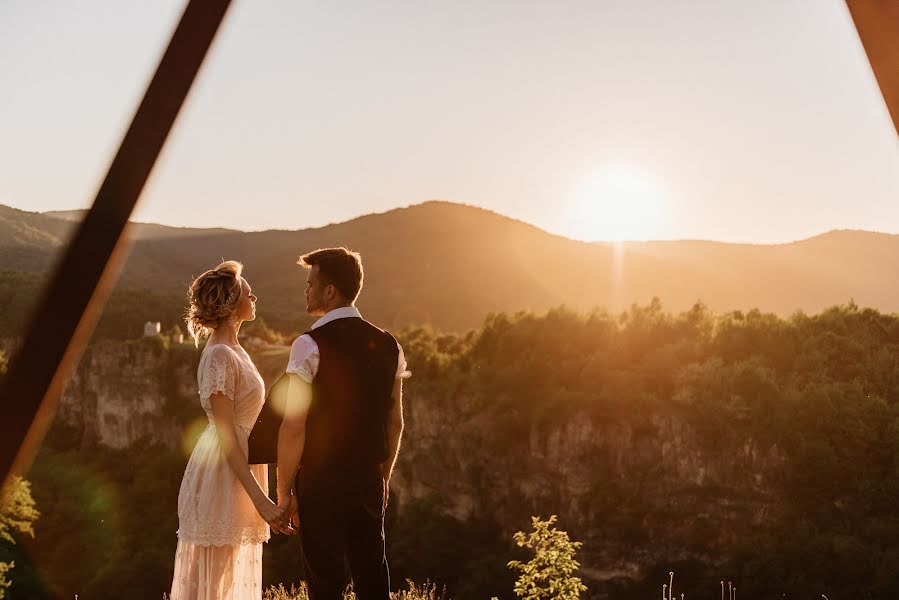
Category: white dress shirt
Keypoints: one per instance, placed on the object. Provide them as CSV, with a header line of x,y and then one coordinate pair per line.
x,y
304,356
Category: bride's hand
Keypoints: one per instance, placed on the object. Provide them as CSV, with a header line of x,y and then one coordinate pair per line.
x,y
274,515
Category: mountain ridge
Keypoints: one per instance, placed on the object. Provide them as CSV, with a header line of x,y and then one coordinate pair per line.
x,y
74,215
448,265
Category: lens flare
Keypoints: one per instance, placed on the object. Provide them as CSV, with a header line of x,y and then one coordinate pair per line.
x,y
192,433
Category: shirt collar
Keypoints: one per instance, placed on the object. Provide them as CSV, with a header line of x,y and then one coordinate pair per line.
x,y
338,313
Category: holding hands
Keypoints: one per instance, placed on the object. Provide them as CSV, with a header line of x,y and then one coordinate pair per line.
x,y
288,503
278,517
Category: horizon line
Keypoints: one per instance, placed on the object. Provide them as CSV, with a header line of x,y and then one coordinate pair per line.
x,y
49,213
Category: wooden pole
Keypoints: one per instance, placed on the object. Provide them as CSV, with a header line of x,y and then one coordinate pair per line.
x,y
71,303
877,22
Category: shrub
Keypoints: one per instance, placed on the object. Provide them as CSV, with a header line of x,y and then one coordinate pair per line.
x,y
550,574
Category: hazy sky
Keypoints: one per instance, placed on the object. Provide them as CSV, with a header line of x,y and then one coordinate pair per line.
x,y
719,119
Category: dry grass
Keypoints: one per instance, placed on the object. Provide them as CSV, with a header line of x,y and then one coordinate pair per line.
x,y
426,591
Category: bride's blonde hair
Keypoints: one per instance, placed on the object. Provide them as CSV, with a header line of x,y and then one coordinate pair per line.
x,y
211,299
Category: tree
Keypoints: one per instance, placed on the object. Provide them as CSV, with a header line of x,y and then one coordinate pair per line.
x,y
550,574
259,328
17,514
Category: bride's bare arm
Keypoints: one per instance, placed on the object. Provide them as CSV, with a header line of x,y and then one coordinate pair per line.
x,y
223,415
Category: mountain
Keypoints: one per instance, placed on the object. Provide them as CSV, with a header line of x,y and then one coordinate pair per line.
x,y
141,231
449,265
29,241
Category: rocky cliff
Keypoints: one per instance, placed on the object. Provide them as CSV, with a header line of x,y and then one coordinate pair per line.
x,y
639,490
642,493
125,393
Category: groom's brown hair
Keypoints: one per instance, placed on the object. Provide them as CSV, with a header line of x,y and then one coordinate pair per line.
x,y
340,267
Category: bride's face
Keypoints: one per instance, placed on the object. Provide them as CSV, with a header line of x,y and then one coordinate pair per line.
x,y
246,309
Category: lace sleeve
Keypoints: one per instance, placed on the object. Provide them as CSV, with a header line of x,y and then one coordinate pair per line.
x,y
219,373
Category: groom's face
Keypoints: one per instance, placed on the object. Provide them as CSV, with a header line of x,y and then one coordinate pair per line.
x,y
315,293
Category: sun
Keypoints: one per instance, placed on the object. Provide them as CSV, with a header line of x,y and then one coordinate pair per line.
x,y
618,204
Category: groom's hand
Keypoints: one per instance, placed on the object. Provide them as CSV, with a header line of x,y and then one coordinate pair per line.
x,y
288,504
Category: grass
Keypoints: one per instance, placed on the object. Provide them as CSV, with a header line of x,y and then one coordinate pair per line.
x,y
728,593
427,591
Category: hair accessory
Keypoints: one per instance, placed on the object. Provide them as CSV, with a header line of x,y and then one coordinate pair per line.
x,y
232,297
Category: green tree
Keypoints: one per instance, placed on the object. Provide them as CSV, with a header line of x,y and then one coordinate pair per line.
x,y
260,329
550,574
17,514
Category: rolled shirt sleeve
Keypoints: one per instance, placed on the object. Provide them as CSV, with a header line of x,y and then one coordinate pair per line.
x,y
402,372
304,358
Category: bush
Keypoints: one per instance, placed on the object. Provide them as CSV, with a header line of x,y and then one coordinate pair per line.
x,y
550,573
17,515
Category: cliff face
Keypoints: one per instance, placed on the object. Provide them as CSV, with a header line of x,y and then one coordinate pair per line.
x,y
638,492
125,393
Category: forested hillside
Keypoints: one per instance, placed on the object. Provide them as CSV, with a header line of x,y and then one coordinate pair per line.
x,y
740,446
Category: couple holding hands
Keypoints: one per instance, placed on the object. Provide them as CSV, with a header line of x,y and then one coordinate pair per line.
x,y
333,431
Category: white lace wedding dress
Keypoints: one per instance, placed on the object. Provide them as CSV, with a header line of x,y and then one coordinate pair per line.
x,y
220,534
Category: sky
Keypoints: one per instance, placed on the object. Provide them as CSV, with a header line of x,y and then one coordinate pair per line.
x,y
648,119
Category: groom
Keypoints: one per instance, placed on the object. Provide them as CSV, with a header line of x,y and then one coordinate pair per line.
x,y
341,432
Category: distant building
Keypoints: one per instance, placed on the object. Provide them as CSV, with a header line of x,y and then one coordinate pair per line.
x,y
152,329
177,338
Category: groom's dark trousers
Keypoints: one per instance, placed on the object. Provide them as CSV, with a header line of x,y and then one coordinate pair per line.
x,y
342,515
340,491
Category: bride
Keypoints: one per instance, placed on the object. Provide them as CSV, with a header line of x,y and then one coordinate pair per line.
x,y
224,511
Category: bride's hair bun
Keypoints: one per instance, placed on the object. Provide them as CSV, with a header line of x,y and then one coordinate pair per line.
x,y
211,299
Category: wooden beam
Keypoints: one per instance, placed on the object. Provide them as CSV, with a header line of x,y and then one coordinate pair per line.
x,y
72,301
877,22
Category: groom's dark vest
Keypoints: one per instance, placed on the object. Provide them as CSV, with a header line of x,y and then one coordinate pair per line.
x,y
346,426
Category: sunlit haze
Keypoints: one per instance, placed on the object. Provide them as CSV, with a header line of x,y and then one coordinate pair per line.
x,y
618,203
725,120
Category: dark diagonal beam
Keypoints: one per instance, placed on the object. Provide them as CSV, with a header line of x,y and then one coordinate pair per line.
x,y
71,303
877,22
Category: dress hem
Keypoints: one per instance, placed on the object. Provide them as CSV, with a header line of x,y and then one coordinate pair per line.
x,y
222,541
